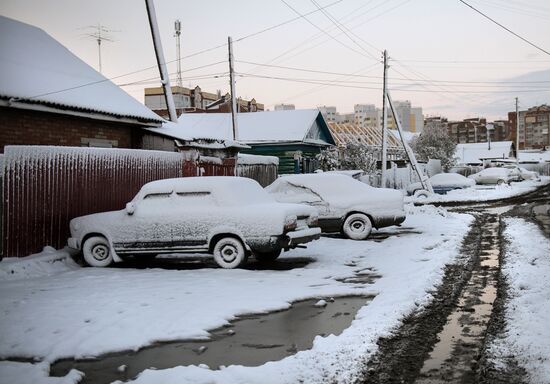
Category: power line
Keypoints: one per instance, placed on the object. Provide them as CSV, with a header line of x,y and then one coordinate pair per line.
x,y
507,29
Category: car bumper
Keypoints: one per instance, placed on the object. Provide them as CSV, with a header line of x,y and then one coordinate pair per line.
x,y
72,242
301,236
386,221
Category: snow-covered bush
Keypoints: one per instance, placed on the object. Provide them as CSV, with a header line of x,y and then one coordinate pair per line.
x,y
352,156
434,143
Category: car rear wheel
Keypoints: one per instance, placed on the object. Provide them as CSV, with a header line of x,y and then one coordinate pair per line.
x,y
97,252
229,253
421,194
267,256
501,182
357,226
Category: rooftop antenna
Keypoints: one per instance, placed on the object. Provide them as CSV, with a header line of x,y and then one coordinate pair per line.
x,y
99,33
177,33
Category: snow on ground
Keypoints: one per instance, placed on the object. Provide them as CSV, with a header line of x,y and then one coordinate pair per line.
x,y
527,312
84,312
483,192
46,263
12,372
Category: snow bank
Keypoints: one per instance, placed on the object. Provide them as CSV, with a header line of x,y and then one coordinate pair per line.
x,y
24,373
46,263
246,159
527,312
483,193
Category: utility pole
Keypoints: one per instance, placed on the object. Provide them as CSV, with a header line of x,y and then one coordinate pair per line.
x,y
517,132
165,80
384,121
232,89
177,27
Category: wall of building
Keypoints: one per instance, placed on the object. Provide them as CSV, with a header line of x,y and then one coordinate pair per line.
x,y
26,127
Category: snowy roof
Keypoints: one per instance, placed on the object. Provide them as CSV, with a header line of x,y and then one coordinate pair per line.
x,y
36,70
475,153
534,156
253,127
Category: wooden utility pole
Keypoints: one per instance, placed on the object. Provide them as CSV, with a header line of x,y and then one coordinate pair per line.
x,y
517,132
232,89
384,121
165,80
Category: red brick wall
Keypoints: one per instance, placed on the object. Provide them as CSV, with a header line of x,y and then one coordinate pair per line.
x,y
25,127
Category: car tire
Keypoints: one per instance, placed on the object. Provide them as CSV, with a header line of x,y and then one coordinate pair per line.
x,y
229,253
267,256
357,226
501,182
421,194
97,252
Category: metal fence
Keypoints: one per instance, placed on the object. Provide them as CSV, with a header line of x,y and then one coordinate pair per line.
x,y
45,187
264,174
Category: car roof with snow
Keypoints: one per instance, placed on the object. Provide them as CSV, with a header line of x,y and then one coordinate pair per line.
x,y
200,182
328,185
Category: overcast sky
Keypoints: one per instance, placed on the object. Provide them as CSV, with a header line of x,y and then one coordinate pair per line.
x,y
445,57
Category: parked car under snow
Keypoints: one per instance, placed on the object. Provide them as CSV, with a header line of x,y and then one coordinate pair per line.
x,y
523,173
443,183
496,175
344,204
229,217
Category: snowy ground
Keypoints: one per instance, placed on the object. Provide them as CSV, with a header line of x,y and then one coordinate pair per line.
x,y
481,193
56,309
527,313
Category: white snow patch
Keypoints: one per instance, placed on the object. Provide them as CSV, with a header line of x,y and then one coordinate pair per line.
x,y
321,303
246,159
46,263
484,193
527,312
12,372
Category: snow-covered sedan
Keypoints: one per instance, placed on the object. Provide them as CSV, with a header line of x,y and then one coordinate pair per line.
x,y
443,183
496,175
523,173
345,205
229,217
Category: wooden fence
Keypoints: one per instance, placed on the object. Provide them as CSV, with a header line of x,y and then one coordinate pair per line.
x,y
45,187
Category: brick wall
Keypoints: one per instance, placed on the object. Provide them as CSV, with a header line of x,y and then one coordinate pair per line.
x,y
26,127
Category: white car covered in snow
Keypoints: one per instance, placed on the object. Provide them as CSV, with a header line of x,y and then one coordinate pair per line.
x,y
443,183
229,217
523,173
496,175
345,205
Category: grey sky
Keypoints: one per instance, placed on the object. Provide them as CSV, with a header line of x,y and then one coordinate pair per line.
x,y
424,36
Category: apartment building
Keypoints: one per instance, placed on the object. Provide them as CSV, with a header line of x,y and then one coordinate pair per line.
x,y
285,107
534,127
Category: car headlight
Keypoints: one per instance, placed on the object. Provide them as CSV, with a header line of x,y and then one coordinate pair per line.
x,y
291,222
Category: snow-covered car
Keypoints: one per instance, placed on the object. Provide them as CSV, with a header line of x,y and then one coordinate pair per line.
x,y
443,183
345,205
523,173
229,217
496,175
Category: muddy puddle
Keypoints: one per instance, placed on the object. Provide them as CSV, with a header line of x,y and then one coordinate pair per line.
x,y
454,357
251,341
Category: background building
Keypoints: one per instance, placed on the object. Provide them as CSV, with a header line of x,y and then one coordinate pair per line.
x,y
329,113
416,120
196,100
285,107
534,127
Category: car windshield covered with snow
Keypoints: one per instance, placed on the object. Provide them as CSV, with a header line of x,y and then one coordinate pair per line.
x,y
443,183
344,204
229,217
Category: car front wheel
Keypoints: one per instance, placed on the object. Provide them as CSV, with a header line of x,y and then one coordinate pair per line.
x,y
267,256
229,253
97,252
357,226
501,182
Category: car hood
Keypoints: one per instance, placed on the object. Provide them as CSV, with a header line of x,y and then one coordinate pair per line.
x,y
376,198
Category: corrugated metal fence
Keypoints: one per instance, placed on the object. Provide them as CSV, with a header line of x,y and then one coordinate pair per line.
x,y
45,187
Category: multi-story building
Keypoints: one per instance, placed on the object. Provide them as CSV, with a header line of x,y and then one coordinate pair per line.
x,y
534,127
437,122
285,107
196,100
329,113
403,111
367,115
416,120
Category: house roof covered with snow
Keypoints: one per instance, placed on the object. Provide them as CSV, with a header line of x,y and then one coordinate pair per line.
x,y
37,72
306,125
475,153
534,156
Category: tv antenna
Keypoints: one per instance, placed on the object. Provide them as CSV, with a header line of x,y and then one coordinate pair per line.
x,y
100,34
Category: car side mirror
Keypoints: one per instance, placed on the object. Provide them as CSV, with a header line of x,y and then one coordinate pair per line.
x,y
130,208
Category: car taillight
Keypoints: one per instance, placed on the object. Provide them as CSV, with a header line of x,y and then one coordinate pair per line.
x,y
291,222
313,221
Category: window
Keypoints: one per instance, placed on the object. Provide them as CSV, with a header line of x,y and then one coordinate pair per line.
x,y
154,196
194,198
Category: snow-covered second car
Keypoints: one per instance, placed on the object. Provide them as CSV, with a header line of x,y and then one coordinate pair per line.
x,y
229,217
345,205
